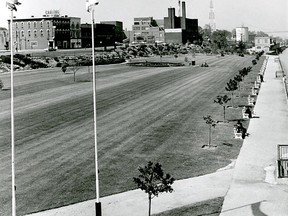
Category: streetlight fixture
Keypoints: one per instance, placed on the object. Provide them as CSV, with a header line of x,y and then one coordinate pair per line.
x,y
12,6
90,4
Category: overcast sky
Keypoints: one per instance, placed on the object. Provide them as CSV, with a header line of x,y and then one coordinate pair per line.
x,y
257,15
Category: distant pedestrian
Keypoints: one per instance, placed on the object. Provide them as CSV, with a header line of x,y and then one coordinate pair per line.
x,y
261,78
240,129
248,111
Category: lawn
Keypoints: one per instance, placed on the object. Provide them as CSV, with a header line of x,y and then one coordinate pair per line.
x,y
142,114
208,207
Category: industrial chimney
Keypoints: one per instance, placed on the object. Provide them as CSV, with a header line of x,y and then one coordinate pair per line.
x,y
183,10
183,18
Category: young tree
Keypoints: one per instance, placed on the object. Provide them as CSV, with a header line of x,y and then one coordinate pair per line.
x,y
222,100
74,69
232,86
238,78
1,84
153,181
212,123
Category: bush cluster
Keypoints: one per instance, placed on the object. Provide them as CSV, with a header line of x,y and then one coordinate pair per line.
x,y
23,60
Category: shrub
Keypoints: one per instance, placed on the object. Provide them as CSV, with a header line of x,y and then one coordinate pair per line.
x,y
58,64
64,68
5,59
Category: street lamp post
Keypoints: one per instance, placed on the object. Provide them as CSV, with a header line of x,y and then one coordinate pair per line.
x,y
12,7
90,4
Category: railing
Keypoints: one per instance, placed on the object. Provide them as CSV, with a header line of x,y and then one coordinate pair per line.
x,y
284,79
282,161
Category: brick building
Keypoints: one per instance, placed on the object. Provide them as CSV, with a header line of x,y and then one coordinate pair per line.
x,y
3,38
51,30
104,35
262,44
119,33
146,29
180,29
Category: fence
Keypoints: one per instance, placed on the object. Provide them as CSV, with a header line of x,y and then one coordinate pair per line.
x,y
282,161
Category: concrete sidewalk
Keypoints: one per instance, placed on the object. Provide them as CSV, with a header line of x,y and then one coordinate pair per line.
x,y
135,202
249,194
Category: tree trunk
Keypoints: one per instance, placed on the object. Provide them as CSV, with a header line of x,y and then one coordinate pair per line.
x,y
209,137
224,112
149,211
74,76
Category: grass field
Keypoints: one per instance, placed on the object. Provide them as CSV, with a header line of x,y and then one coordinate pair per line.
x,y
209,207
142,114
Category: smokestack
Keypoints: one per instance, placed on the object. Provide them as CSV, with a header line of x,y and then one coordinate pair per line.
x,y
171,17
183,10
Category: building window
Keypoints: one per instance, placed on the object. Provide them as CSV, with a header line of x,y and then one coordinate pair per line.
x,y
35,33
22,34
41,33
41,24
22,25
48,33
29,33
48,24
16,25
29,25
35,24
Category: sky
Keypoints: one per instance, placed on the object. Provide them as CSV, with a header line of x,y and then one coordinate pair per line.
x,y
258,15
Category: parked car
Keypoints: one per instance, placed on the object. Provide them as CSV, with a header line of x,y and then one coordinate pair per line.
x,y
50,49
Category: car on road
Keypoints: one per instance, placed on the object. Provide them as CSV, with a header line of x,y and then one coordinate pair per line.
x,y
50,49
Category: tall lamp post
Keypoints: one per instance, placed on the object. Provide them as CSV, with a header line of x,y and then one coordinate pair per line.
x,y
90,4
12,6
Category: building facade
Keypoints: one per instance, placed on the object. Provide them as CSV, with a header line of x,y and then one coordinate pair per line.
x,y
146,29
119,33
180,29
262,44
3,38
51,30
104,35
242,34
75,32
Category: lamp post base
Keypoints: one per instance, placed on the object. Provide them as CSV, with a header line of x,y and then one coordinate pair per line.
x,y
98,209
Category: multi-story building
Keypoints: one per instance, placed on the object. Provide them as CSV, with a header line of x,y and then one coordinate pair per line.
x,y
262,44
146,29
3,38
75,32
242,34
119,33
51,30
104,35
180,29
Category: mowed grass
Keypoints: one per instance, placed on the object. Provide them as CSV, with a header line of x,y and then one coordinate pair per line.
x,y
208,207
142,114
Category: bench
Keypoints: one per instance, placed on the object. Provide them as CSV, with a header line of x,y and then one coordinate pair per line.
x,y
257,84
251,100
237,135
